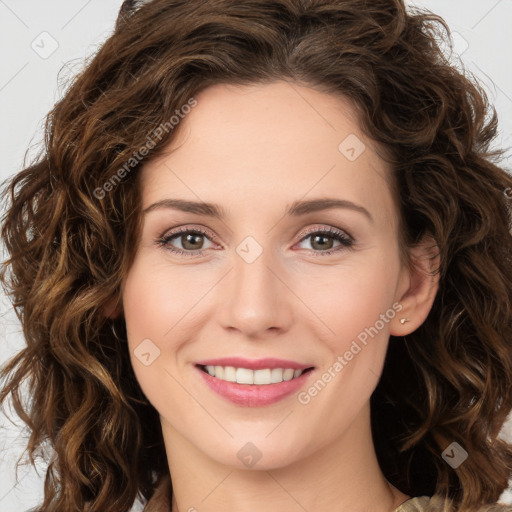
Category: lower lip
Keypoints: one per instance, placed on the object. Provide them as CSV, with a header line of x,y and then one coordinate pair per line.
x,y
254,395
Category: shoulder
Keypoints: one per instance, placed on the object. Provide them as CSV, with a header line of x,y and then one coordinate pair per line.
x,y
436,504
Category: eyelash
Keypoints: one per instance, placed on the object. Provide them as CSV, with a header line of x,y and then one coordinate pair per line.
x,y
346,241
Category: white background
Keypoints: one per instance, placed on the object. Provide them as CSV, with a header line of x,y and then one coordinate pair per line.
x,y
29,86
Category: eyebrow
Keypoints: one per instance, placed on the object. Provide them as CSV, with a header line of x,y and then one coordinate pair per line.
x,y
297,208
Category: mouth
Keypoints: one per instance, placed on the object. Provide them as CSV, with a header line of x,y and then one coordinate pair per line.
x,y
260,377
254,382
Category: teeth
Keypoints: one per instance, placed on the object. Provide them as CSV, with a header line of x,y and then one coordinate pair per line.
x,y
229,374
219,370
247,376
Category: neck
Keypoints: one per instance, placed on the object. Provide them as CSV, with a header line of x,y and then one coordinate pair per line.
x,y
343,475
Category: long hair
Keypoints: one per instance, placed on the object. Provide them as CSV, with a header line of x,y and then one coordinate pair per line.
x,y
74,220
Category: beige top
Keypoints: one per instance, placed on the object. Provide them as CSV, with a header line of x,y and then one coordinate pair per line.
x,y
435,504
418,504
161,502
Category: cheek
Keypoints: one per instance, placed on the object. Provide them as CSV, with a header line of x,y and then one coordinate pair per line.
x,y
350,298
163,312
152,305
350,303
157,296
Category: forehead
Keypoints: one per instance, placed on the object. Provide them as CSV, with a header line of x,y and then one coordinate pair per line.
x,y
261,141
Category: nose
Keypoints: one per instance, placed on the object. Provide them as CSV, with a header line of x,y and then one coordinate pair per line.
x,y
255,299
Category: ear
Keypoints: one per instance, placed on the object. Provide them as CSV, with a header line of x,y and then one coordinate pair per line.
x,y
418,287
112,308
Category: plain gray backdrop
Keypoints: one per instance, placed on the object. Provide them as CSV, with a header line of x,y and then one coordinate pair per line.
x,y
43,43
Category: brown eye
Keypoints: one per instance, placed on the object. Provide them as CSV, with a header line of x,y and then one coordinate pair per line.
x,y
323,240
191,241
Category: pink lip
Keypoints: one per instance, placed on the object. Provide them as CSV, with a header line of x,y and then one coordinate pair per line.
x,y
253,395
254,364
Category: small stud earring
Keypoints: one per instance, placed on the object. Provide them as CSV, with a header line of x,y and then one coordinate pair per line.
x,y
403,320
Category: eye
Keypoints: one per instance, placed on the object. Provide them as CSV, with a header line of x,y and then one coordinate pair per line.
x,y
320,238
192,241
189,239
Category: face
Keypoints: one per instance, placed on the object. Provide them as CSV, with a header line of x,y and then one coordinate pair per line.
x,y
277,279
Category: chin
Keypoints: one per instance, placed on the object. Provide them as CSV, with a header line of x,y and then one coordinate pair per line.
x,y
257,454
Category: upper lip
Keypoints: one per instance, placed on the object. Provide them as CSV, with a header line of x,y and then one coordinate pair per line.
x,y
254,364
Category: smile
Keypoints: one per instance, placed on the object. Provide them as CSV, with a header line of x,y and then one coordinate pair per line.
x,y
264,376
270,382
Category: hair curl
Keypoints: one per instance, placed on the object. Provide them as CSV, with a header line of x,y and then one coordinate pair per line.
x,y
450,380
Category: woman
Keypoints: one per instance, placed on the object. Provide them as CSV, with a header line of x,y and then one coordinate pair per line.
x,y
340,336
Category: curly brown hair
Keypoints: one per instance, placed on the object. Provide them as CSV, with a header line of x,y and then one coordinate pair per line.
x,y
70,246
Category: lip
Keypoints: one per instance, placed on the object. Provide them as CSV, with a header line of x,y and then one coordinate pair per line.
x,y
254,364
254,395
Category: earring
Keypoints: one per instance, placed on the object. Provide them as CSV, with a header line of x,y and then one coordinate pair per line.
x,y
112,328
403,320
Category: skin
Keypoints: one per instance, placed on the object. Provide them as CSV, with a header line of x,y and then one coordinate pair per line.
x,y
254,150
